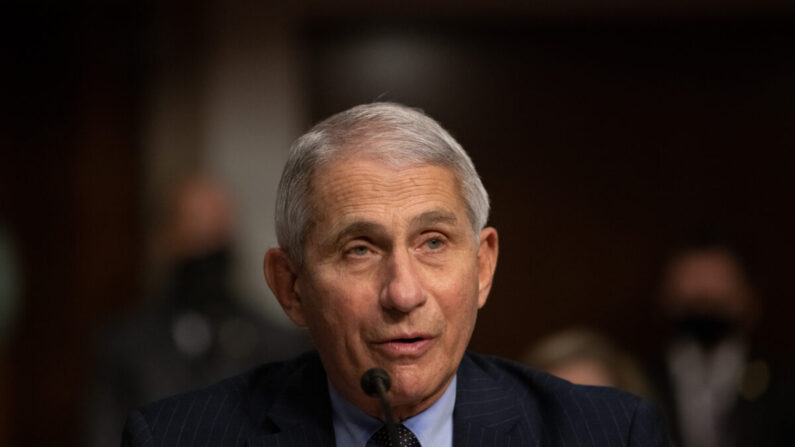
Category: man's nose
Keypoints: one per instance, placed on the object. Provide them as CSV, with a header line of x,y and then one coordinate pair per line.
x,y
402,290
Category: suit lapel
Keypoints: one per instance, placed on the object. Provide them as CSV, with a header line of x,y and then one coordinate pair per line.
x,y
487,413
301,413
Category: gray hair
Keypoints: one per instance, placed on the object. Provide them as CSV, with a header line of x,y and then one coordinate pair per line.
x,y
389,132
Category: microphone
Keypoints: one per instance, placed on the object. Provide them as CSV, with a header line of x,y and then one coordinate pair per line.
x,y
375,383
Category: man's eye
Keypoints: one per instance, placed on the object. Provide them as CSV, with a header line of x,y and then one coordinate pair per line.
x,y
359,250
434,243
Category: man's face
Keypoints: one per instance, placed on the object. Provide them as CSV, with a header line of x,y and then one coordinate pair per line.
x,y
707,282
393,277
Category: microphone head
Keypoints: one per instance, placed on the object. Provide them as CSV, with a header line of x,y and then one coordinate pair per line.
x,y
370,380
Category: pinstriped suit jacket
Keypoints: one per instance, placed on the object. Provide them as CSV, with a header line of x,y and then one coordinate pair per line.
x,y
498,403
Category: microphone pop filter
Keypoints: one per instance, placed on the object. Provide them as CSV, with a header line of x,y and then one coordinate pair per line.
x,y
370,380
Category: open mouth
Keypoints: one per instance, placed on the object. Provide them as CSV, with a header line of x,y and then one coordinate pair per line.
x,y
400,347
408,340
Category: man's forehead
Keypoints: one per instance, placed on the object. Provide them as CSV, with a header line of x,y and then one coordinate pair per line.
x,y
362,194
360,179
705,263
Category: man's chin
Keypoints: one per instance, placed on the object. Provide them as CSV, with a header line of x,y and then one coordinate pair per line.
x,y
414,393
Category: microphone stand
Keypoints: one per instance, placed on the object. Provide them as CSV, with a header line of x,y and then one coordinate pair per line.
x,y
390,418
376,382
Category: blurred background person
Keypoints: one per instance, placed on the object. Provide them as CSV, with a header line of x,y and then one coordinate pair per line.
x,y
586,357
717,388
194,329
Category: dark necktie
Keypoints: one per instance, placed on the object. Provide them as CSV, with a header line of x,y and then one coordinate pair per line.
x,y
405,436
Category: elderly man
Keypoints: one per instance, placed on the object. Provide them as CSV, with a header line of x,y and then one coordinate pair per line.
x,y
386,258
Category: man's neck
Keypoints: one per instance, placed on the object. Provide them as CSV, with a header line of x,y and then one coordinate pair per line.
x,y
402,408
432,425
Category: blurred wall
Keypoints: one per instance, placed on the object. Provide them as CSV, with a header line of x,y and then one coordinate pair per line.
x,y
229,107
69,195
255,108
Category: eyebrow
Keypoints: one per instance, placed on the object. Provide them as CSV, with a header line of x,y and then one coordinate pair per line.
x,y
359,227
429,218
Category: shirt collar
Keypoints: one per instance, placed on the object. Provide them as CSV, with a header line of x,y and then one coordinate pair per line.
x,y
433,426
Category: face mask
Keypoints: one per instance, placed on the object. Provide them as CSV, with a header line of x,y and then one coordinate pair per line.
x,y
201,280
706,329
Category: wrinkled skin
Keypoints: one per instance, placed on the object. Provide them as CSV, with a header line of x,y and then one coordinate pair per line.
x,y
393,277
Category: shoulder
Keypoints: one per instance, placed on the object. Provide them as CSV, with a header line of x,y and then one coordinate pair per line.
x,y
560,412
231,409
525,380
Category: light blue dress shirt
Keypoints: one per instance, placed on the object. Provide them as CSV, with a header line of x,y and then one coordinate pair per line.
x,y
432,427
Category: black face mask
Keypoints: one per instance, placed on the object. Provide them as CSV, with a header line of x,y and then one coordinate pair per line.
x,y
707,329
201,280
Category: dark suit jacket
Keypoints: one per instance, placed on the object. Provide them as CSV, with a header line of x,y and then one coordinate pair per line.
x,y
761,419
498,403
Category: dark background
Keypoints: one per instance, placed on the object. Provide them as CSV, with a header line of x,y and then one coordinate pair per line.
x,y
603,134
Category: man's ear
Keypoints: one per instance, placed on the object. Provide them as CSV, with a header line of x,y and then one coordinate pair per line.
x,y
487,262
281,276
